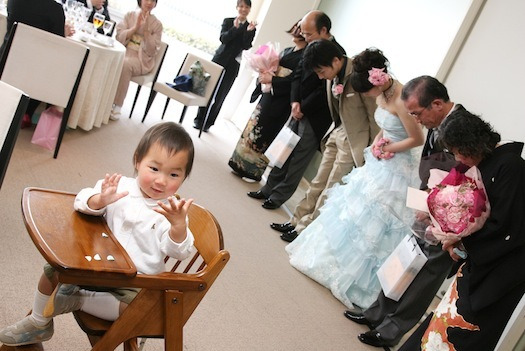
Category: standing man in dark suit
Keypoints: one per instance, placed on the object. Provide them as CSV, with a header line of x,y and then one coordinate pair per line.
x,y
311,113
427,100
236,35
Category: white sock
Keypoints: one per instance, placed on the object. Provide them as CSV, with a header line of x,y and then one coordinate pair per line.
x,y
100,304
116,109
39,304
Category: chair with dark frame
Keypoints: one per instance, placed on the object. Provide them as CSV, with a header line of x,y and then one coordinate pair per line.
x,y
189,98
149,79
31,73
13,107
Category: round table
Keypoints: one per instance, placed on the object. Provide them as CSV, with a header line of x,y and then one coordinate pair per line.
x,y
98,85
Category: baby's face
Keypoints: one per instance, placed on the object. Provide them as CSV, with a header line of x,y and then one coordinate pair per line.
x,y
160,174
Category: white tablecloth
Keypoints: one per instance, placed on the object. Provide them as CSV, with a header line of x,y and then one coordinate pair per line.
x,y
98,85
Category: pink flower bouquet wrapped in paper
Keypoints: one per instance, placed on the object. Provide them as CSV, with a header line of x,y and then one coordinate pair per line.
x,y
458,204
264,60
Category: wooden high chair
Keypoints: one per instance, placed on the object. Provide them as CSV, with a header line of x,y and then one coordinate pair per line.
x,y
166,301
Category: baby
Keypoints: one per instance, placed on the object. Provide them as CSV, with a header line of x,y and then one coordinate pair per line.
x,y
144,215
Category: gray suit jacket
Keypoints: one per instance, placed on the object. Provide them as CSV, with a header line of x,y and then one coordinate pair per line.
x,y
356,113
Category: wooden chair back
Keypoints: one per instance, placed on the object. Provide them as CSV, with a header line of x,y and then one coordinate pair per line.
x,y
162,311
13,106
49,71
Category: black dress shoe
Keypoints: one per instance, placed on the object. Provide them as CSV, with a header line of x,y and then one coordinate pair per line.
x,y
197,125
373,337
283,228
257,195
358,318
270,205
289,236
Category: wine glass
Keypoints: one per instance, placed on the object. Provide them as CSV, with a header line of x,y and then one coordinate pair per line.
x,y
107,27
98,21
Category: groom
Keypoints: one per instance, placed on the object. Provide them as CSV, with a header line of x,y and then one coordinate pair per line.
x,y
427,100
354,129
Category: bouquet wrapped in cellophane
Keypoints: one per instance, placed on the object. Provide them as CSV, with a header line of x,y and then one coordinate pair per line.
x,y
458,204
264,60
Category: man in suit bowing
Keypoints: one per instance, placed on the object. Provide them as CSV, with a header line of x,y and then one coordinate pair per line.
x,y
354,129
311,115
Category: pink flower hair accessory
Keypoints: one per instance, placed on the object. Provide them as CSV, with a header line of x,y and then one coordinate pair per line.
x,y
377,76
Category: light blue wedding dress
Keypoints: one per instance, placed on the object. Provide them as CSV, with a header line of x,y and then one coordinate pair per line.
x,y
356,230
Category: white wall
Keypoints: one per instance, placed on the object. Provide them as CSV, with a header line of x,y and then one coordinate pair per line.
x,y
488,74
414,35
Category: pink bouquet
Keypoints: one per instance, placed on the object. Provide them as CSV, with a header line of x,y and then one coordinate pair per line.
x,y
458,204
264,60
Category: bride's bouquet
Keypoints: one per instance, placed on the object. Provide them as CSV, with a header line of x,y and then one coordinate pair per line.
x,y
264,60
458,204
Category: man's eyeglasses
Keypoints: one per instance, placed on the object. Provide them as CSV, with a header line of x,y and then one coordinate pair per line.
x,y
418,113
306,35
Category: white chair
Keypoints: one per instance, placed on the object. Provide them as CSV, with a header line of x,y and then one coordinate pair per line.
x,y
513,336
216,72
47,67
12,108
147,80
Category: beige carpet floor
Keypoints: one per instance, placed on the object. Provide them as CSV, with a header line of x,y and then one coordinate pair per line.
x,y
259,302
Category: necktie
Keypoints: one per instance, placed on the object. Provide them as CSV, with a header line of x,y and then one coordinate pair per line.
x,y
431,139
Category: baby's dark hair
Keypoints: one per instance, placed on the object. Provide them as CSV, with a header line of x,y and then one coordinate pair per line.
x,y
139,2
247,2
364,62
169,135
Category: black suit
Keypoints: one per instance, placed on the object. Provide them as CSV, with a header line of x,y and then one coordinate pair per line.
x,y
491,282
43,14
310,92
233,42
395,318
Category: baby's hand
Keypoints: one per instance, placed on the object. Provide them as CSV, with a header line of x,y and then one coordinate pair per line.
x,y
175,212
108,193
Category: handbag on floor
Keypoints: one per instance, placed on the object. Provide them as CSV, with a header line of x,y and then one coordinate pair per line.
x,y
47,128
401,267
283,144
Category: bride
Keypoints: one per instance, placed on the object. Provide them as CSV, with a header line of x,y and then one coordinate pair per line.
x,y
358,226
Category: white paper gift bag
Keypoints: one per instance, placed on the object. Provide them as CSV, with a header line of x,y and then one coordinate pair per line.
x,y
401,267
282,146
